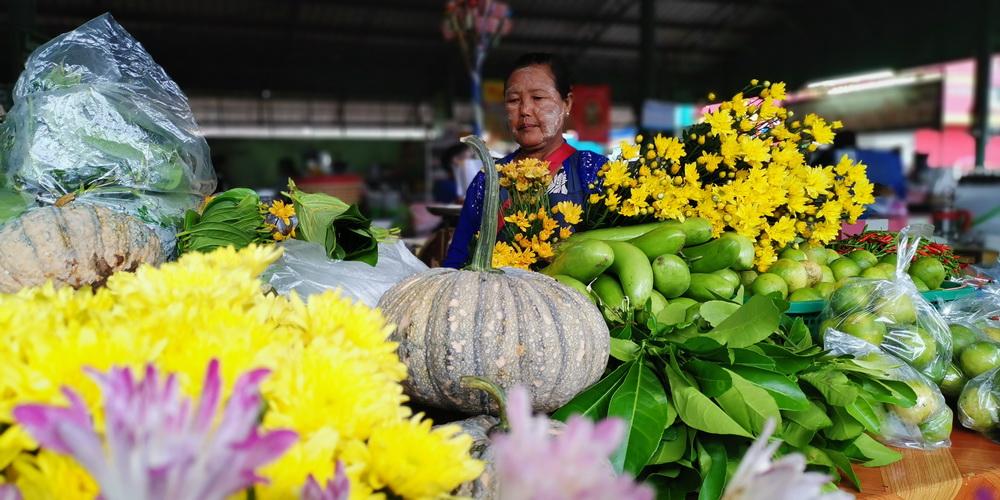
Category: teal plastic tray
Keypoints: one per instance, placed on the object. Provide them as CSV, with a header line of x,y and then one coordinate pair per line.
x,y
949,291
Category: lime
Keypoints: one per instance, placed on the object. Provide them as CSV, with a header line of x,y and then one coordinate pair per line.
x,y
919,283
683,300
827,275
817,254
937,428
768,283
831,255
844,268
953,382
863,326
875,274
991,331
825,289
851,296
827,324
747,277
792,271
978,358
961,337
914,344
927,403
793,254
814,274
864,258
805,295
929,270
977,407
898,309
889,258
888,269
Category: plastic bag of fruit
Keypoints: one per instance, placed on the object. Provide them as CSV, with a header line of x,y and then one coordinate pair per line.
x,y
975,337
926,424
979,404
893,315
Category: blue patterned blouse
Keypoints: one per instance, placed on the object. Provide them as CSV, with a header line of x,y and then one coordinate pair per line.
x,y
569,183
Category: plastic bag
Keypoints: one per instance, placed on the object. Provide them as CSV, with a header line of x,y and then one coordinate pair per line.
x,y
96,119
925,425
894,316
979,404
305,269
980,310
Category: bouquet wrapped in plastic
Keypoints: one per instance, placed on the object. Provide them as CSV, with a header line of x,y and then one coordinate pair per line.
x,y
893,315
926,424
96,120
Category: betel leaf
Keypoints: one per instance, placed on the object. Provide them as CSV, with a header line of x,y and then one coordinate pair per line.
x,y
863,411
711,379
888,391
786,392
818,458
833,385
813,417
712,462
798,334
701,345
593,401
844,464
716,311
871,453
749,405
752,322
672,445
624,349
845,426
697,410
642,403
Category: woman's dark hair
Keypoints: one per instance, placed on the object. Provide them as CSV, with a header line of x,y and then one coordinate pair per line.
x,y
560,74
449,154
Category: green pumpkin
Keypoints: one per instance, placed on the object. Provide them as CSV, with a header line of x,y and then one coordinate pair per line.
x,y
510,326
74,245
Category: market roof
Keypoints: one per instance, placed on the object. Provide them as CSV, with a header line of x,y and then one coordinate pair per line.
x,y
394,50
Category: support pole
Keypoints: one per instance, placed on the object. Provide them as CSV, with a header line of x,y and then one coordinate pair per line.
x,y
984,63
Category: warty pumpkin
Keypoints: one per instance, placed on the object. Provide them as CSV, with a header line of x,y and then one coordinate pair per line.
x,y
73,245
510,326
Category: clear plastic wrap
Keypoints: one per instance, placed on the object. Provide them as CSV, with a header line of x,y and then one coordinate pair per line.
x,y
97,120
980,310
894,316
925,425
305,269
979,404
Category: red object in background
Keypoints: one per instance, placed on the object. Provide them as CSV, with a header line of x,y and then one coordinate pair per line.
x,y
591,113
954,147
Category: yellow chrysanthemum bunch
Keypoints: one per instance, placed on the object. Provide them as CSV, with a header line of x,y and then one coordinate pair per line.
x,y
743,168
335,376
532,226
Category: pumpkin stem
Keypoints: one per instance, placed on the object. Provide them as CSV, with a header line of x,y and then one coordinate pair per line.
x,y
482,257
495,392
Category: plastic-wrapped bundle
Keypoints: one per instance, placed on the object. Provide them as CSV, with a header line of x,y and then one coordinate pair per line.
x,y
979,404
95,120
924,425
304,268
893,315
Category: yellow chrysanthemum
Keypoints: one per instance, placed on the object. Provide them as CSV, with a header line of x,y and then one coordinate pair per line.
x,y
335,375
417,461
282,211
571,212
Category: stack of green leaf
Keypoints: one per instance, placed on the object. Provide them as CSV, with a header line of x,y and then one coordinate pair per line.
x,y
340,228
232,218
696,382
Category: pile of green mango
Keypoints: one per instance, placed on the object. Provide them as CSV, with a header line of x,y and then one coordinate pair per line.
x,y
640,269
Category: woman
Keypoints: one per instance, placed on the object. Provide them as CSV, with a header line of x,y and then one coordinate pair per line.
x,y
538,98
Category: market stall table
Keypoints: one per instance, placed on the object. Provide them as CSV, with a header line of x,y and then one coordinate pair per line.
x,y
970,466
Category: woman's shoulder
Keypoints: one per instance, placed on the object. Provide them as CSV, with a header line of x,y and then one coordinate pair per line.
x,y
591,159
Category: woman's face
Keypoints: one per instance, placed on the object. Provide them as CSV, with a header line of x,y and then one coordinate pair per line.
x,y
535,110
